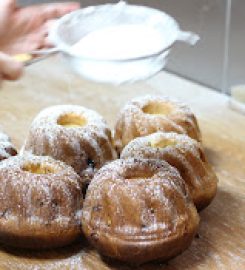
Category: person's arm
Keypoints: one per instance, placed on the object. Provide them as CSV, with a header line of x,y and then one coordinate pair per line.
x,y
25,29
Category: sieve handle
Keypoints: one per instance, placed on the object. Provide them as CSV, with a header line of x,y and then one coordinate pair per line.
x,y
45,51
34,56
188,37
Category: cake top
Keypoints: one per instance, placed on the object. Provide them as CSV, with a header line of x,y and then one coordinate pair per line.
x,y
157,105
68,125
151,111
68,116
162,142
128,170
20,169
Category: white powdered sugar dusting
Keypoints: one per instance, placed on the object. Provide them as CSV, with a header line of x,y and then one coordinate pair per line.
x,y
4,137
119,42
148,114
139,186
80,146
6,148
38,200
180,151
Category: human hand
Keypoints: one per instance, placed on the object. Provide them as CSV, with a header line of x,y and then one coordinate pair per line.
x,y
9,69
26,29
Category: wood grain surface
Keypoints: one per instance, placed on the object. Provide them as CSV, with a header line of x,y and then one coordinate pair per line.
x,y
220,243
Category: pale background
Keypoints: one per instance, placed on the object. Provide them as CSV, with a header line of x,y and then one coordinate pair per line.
x,y
205,62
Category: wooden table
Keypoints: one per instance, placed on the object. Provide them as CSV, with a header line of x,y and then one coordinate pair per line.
x,y
221,239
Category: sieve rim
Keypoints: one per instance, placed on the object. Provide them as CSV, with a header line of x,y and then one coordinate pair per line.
x,y
65,48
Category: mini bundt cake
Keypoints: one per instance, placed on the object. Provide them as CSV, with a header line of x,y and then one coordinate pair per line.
x,y
78,136
6,148
145,115
138,211
183,153
40,202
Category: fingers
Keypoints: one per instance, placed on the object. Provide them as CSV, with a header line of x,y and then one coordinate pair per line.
x,y
9,69
46,43
44,29
7,7
8,4
39,39
53,11
50,12
29,26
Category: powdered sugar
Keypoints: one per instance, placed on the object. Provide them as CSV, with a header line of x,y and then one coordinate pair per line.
x,y
32,202
137,202
4,137
181,152
77,146
6,148
138,119
128,177
119,42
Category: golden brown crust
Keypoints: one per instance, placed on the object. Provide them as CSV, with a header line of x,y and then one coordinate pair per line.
x,y
183,153
40,202
73,134
138,211
146,115
6,148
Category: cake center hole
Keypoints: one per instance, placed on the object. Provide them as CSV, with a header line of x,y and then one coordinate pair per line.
x,y
139,175
72,120
162,143
39,168
158,108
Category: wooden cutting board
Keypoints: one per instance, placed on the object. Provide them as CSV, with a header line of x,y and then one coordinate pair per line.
x,y
220,243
